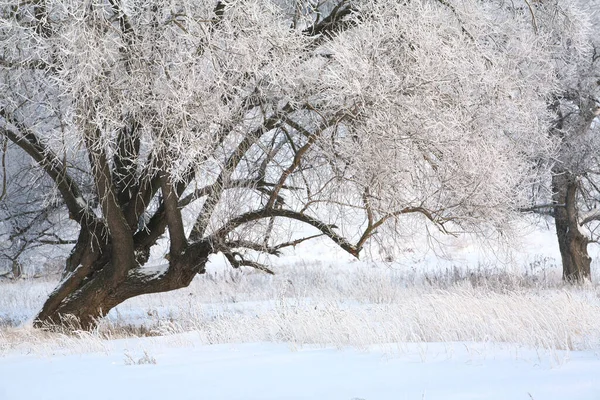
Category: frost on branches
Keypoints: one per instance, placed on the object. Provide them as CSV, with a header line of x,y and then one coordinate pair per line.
x,y
214,123
572,194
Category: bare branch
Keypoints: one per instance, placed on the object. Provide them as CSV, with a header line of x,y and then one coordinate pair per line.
x,y
236,263
51,164
274,250
326,229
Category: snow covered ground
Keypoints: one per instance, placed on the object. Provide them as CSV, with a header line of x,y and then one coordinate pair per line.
x,y
465,326
441,371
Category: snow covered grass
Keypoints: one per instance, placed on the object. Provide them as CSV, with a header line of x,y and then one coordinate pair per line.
x,y
357,305
19,300
322,328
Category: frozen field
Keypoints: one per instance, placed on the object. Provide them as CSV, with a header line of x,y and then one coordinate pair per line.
x,y
187,370
325,327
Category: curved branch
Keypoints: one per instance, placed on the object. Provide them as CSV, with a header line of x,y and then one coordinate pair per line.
x,y
242,262
326,229
274,250
52,165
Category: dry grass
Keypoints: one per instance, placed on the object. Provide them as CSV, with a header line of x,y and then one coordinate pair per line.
x,y
316,304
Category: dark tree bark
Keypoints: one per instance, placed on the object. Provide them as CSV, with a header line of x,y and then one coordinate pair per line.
x,y
574,116
91,291
572,242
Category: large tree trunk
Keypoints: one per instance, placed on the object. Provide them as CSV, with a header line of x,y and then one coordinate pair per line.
x,y
89,292
572,242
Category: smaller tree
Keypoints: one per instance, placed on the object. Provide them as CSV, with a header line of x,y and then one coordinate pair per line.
x,y
575,103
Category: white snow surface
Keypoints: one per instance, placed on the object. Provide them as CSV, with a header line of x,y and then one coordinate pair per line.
x,y
442,371
182,366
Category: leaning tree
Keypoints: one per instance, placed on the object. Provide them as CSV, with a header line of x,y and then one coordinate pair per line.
x,y
211,124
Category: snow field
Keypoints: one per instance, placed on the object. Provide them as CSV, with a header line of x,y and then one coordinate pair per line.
x,y
323,327
355,306
440,371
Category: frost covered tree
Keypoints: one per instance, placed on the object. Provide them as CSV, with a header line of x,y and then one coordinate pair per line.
x,y
212,125
574,193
